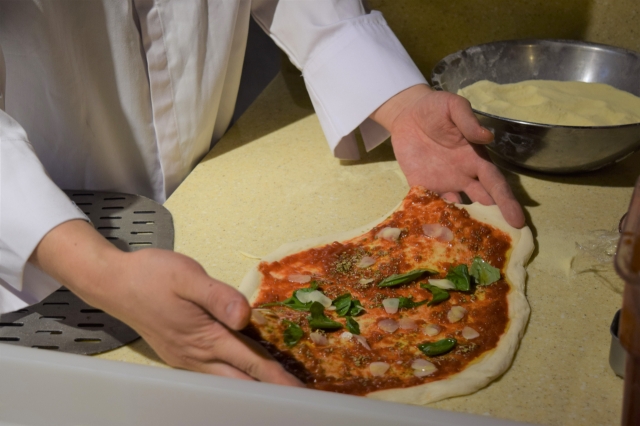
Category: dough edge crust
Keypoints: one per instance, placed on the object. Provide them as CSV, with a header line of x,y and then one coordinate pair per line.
x,y
491,364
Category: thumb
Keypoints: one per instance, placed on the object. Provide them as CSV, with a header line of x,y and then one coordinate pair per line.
x,y
465,120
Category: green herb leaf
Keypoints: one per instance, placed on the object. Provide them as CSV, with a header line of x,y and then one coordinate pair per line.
x,y
408,303
356,308
313,286
318,320
342,304
439,295
438,348
293,333
397,279
483,272
353,326
345,305
293,302
459,276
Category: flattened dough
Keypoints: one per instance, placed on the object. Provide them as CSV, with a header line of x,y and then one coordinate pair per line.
x,y
565,103
490,365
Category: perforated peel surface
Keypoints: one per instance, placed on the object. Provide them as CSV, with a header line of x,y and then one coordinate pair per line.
x,y
63,321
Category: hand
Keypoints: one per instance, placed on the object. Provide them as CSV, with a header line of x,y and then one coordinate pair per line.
x,y
190,319
430,132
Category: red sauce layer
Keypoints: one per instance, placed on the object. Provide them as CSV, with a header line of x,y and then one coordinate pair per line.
x,y
343,365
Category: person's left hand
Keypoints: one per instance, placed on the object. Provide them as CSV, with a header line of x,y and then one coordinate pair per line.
x,y
437,141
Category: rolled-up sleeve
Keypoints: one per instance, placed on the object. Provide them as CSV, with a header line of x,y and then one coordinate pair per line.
x,y
350,60
30,206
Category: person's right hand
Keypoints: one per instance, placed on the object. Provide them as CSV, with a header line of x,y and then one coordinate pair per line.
x,y
190,319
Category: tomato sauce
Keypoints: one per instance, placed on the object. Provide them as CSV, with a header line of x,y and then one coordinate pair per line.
x,y
342,365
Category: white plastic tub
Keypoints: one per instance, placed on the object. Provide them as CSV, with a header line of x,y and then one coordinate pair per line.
x,y
39,387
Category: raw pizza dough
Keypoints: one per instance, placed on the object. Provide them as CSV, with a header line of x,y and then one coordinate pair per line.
x,y
488,366
564,103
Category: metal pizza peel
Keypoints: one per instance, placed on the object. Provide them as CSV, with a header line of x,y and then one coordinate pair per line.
x,y
62,321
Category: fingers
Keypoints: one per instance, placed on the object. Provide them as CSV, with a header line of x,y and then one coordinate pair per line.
x,y
267,369
509,206
477,192
452,197
499,190
466,121
221,369
189,318
236,356
223,302
217,348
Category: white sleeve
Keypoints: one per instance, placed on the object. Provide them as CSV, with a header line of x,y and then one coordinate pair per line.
x,y
351,62
30,206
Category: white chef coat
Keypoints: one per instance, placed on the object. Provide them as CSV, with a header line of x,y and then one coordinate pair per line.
x,y
128,95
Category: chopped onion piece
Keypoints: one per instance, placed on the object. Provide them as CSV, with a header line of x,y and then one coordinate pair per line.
x,y
420,373
391,305
362,341
266,311
431,329
423,365
389,325
258,317
378,368
319,338
366,280
313,296
469,333
439,232
366,262
431,229
277,276
456,313
407,324
346,336
443,284
389,234
299,278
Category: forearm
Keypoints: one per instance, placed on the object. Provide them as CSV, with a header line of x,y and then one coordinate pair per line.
x,y
77,256
32,205
351,62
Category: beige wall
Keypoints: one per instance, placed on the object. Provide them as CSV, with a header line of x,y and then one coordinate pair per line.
x,y
432,29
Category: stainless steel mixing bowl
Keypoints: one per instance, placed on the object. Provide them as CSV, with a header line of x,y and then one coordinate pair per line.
x,y
543,147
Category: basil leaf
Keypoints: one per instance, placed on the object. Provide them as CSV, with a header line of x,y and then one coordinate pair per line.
x,y
345,305
459,276
408,303
312,287
356,308
318,320
293,333
438,348
293,302
397,279
342,304
483,272
439,295
353,326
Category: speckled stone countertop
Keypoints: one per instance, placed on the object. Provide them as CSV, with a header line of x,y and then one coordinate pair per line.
x,y
272,180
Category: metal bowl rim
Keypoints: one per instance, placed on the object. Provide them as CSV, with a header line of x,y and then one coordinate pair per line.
x,y
444,61
549,126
